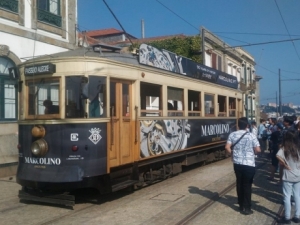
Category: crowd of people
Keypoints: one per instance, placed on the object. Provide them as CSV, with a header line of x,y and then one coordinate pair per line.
x,y
281,138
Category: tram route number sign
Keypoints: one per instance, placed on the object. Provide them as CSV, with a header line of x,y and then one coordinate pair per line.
x,y
38,69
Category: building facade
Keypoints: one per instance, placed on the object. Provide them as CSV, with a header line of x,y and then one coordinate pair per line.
x,y
28,28
236,62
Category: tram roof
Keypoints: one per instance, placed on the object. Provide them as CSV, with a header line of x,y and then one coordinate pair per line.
x,y
89,52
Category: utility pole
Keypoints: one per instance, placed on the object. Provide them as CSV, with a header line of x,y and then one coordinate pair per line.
x,y
280,106
276,106
251,92
246,95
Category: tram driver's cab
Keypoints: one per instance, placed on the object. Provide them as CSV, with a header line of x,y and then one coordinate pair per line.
x,y
84,97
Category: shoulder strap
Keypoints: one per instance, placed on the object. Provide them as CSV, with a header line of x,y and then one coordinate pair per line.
x,y
232,146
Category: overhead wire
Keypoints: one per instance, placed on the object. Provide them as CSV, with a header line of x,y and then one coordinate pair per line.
x,y
287,29
247,45
192,24
261,34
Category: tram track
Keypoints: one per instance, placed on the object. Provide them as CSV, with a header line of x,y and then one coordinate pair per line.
x,y
199,210
220,190
68,214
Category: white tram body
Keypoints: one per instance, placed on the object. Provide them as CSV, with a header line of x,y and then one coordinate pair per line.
x,y
97,117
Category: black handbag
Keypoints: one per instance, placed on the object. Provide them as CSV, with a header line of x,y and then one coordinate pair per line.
x,y
232,146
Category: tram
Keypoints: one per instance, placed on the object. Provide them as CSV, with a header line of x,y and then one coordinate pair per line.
x,y
100,118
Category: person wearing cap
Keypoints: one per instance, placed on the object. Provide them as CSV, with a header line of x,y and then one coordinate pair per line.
x,y
276,140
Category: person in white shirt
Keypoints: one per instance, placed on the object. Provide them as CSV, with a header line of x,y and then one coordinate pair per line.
x,y
245,147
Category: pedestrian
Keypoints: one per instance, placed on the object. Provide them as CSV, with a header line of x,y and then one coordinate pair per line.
x,y
288,123
254,128
289,157
243,146
262,135
271,128
276,140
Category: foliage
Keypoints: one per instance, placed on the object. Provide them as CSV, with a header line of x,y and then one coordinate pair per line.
x,y
188,47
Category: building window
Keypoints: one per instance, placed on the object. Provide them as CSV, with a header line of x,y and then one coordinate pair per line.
x,y
49,12
216,61
10,5
8,91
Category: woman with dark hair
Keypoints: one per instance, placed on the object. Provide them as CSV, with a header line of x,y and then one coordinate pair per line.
x,y
243,146
289,157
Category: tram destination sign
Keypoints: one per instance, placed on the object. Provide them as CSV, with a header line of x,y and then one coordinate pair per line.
x,y
166,60
38,69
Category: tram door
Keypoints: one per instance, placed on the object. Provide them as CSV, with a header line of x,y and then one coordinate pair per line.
x,y
121,149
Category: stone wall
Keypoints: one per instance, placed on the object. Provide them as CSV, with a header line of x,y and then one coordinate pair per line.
x,y
8,150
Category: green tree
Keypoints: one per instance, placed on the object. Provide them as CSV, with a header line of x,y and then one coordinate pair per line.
x,y
189,47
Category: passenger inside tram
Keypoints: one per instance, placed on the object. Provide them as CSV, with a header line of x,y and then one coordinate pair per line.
x,y
50,108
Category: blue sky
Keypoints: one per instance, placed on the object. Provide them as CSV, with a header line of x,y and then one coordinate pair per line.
x,y
236,22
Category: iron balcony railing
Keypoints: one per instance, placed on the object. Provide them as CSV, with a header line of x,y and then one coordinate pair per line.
x,y
48,17
10,5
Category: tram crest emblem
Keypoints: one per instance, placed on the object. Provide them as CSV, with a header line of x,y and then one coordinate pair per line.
x,y
95,136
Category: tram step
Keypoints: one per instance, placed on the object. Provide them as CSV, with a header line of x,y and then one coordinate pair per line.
x,y
123,185
59,199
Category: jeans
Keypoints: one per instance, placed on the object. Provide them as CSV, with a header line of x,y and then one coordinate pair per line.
x,y
244,179
289,189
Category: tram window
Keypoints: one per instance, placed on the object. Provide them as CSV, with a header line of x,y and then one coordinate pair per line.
x,y
209,104
175,101
75,103
43,97
125,100
97,96
194,103
150,95
222,106
232,107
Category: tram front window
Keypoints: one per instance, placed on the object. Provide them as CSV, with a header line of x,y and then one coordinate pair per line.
x,y
43,97
97,96
81,91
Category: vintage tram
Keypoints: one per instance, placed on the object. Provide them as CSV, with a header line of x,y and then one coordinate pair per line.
x,y
100,118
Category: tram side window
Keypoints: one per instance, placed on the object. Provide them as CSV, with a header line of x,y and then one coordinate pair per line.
x,y
75,96
175,101
194,103
151,96
43,97
97,96
222,106
209,104
232,107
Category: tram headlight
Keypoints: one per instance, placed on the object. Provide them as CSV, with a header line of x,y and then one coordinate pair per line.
x,y
39,147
